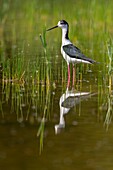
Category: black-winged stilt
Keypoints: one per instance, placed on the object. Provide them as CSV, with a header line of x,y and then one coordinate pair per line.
x,y
71,53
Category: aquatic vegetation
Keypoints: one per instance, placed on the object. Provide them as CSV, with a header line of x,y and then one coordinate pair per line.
x,y
46,115
32,66
109,96
43,39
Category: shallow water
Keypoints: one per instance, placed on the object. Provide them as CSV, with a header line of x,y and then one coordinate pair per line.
x,y
43,124
81,142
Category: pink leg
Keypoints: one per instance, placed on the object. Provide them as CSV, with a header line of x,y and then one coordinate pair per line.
x,y
68,75
73,75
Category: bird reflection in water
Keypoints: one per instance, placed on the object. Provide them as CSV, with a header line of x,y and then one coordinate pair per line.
x,y
68,100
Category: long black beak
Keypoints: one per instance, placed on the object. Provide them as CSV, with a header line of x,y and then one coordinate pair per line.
x,y
52,28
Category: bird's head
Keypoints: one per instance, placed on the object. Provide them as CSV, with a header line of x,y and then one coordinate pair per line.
x,y
62,24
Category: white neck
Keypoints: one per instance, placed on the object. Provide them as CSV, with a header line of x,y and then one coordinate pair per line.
x,y
65,40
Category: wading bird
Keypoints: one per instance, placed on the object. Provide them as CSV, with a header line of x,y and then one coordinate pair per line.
x,y
71,53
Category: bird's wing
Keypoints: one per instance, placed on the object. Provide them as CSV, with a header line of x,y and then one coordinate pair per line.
x,y
75,52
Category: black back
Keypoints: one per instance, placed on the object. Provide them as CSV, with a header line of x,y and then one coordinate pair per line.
x,y
75,52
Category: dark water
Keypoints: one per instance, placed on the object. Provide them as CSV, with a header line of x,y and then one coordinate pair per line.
x,y
75,133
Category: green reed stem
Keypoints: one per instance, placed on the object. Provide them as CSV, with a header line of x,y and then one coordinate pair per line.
x,y
109,96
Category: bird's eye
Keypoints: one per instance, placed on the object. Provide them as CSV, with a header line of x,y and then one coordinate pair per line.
x,y
61,23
